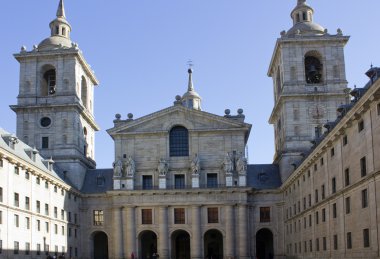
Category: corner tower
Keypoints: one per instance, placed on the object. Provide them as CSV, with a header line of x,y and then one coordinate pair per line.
x,y
309,82
55,101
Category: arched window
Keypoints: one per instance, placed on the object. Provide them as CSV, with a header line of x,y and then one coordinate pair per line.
x,y
48,83
179,141
84,92
313,69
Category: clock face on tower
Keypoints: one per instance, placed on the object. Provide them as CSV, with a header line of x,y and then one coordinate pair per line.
x,y
317,111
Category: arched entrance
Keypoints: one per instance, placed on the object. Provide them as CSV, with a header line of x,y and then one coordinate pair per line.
x,y
148,244
213,244
264,244
100,245
180,245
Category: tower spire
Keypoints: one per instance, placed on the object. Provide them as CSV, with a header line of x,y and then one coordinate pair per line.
x,y
190,87
191,98
61,10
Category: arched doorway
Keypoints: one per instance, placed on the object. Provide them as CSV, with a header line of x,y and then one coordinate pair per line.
x,y
213,244
100,245
148,244
264,244
180,245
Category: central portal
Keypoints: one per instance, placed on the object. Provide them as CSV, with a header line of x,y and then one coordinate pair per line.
x,y
148,244
180,244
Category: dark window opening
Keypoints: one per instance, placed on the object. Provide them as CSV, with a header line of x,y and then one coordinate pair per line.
x,y
313,70
212,215
147,182
212,180
363,167
264,214
179,141
179,181
146,216
45,142
179,216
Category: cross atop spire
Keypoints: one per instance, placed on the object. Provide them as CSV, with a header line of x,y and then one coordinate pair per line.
x,y
61,10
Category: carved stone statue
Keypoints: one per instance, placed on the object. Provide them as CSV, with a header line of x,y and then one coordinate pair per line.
x,y
130,166
163,167
195,165
241,164
227,164
117,168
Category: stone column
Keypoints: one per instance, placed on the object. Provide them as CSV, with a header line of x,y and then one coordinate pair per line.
x,y
196,242
130,233
230,232
118,232
163,246
243,231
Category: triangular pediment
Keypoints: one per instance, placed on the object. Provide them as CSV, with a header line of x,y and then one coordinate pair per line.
x,y
164,120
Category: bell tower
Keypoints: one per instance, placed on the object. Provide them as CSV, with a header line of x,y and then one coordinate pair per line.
x,y
55,101
309,81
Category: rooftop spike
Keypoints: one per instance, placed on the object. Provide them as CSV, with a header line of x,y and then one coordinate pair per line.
x,y
61,9
190,85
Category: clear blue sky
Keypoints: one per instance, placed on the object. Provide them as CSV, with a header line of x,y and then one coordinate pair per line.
x,y
139,50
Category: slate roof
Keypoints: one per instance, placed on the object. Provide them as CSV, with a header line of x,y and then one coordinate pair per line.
x,y
20,150
98,181
265,176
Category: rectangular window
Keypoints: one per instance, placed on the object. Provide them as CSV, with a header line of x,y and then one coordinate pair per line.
x,y
1,194
63,230
309,200
1,217
38,249
310,245
17,170
364,198
316,217
38,206
332,152
363,167
323,191
46,209
323,215
212,215
333,185
179,181
334,210
55,229
17,223
27,223
304,203
378,109
324,243
69,216
349,240
317,244
264,214
366,237
16,200
179,216
146,216
27,248
360,125
45,142
27,203
38,180
321,161
348,205
345,140
315,167
1,162
347,177
335,242
47,227
75,218
316,196
16,248
310,220
212,180
27,175
147,182
38,222
55,212
46,184
62,215
98,218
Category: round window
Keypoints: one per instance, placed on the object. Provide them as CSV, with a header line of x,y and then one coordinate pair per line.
x,y
45,122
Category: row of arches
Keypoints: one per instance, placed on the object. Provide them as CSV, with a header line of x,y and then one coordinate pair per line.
x,y
181,245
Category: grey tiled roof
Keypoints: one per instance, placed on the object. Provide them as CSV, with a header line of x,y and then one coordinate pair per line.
x,y
20,150
266,176
98,181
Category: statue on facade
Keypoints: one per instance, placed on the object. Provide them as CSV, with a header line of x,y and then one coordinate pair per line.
x,y
241,164
195,165
130,166
117,168
163,167
227,164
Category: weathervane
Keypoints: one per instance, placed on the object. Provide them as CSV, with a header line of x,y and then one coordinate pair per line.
x,y
190,64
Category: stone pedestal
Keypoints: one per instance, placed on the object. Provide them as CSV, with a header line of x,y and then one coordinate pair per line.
x,y
130,184
162,182
242,180
195,181
116,184
229,180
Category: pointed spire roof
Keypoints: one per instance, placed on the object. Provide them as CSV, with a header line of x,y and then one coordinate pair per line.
x,y
60,30
61,10
191,98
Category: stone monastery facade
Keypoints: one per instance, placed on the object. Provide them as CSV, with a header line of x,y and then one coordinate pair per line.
x,y
180,186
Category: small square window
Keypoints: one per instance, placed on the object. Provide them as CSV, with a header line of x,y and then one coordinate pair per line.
x,y
360,125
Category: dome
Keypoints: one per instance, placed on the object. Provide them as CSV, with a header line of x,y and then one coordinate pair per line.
x,y
191,94
306,28
54,42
